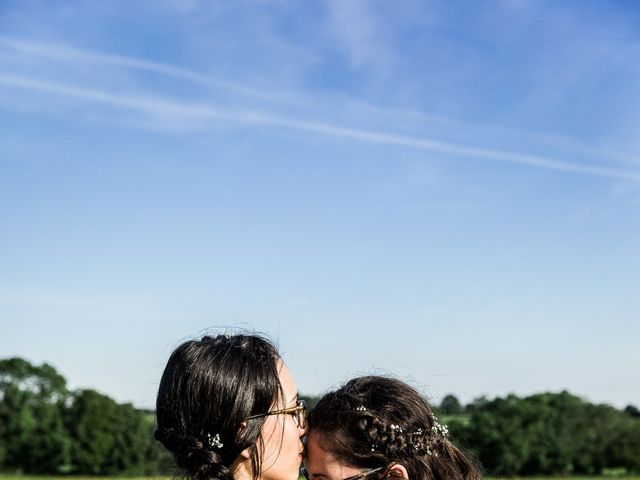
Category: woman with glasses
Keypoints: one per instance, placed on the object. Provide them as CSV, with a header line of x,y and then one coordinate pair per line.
x,y
378,427
228,409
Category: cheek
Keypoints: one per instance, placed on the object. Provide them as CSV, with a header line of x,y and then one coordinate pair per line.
x,y
292,437
272,434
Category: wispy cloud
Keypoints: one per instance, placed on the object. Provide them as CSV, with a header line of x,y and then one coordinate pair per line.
x,y
354,108
359,32
157,106
69,54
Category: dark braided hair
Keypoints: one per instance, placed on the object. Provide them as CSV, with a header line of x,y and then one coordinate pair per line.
x,y
208,388
378,421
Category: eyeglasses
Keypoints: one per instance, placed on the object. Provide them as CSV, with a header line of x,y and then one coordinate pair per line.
x,y
364,474
299,413
358,476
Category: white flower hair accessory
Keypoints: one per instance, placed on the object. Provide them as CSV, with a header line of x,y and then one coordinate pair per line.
x,y
439,427
419,441
214,441
361,408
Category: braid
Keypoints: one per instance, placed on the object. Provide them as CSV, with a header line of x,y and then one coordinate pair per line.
x,y
194,455
398,438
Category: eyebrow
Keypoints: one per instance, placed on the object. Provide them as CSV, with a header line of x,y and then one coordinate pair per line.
x,y
317,475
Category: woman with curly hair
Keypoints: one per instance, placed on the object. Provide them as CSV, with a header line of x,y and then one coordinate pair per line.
x,y
380,428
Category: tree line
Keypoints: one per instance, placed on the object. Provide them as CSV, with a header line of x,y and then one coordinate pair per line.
x,y
47,429
546,434
543,434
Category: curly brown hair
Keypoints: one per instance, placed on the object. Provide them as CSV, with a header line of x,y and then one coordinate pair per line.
x,y
379,421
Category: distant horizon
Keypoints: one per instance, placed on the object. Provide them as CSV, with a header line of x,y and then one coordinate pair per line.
x,y
432,401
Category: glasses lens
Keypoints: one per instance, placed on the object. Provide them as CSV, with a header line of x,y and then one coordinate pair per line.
x,y
301,414
304,473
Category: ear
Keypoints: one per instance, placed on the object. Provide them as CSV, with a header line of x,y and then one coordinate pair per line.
x,y
397,472
244,454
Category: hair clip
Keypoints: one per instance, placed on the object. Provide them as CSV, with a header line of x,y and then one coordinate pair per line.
x,y
214,442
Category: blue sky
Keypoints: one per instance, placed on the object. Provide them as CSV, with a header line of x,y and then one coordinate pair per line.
x,y
444,191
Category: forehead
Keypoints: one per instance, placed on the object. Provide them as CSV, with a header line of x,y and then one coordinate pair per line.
x,y
289,388
322,464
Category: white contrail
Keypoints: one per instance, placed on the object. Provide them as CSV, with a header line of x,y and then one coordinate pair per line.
x,y
73,54
164,107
